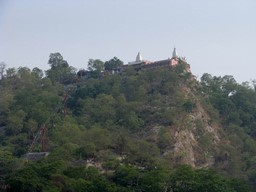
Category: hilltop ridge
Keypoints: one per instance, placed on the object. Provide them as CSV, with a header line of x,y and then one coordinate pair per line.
x,y
123,127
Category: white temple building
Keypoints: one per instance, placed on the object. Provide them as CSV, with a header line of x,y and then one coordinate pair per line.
x,y
138,60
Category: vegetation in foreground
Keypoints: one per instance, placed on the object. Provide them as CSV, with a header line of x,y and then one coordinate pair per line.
x,y
116,132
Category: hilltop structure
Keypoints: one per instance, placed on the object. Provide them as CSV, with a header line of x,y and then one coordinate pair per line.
x,y
138,60
172,62
140,64
174,53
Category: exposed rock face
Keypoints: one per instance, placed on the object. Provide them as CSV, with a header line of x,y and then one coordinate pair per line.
x,y
184,147
195,137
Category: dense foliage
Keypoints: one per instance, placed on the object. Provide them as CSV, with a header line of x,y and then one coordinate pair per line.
x,y
236,106
112,132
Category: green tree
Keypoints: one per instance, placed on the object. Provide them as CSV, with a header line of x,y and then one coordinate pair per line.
x,y
113,63
87,151
95,65
15,122
10,72
38,72
60,70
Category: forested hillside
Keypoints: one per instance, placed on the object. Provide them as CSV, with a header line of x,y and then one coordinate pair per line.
x,y
138,130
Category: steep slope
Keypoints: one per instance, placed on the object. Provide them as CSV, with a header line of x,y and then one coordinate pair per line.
x,y
165,108
196,138
125,128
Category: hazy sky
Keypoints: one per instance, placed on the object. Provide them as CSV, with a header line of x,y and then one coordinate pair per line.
x,y
216,36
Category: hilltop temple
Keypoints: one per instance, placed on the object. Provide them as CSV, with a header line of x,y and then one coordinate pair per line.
x,y
140,63
173,61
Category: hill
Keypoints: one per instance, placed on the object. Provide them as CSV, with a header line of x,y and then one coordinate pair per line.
x,y
153,129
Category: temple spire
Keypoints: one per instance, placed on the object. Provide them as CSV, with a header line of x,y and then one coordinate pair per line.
x,y
139,57
174,53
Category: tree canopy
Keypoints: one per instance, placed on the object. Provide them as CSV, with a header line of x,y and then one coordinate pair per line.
x,y
113,63
119,132
60,70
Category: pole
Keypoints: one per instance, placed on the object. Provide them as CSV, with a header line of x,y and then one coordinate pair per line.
x,y
43,142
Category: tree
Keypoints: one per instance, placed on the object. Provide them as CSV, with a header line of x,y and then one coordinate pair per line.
x,y
38,72
10,72
15,122
23,72
184,178
8,164
2,68
60,70
56,60
95,65
113,64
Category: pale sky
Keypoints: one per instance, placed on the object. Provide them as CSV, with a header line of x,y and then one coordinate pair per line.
x,y
216,36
